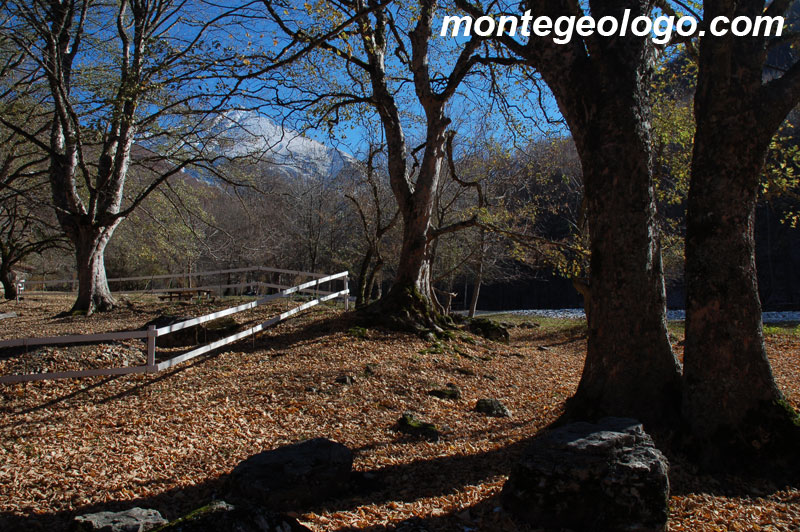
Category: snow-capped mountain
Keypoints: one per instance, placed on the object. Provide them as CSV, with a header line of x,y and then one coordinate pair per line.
x,y
283,150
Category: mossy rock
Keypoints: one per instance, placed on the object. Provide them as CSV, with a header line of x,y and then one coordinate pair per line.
x,y
358,332
450,391
488,329
411,425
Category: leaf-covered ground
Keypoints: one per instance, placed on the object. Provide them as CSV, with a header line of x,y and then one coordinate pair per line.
x,y
167,440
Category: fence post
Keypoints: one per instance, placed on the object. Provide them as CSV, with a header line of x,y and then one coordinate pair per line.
x,y
347,293
151,348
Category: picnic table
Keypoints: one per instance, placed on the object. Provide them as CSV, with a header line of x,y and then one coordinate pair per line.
x,y
185,294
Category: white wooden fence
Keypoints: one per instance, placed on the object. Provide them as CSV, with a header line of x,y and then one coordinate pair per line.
x,y
153,333
39,285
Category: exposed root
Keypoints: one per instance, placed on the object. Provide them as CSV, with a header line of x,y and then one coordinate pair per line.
x,y
405,309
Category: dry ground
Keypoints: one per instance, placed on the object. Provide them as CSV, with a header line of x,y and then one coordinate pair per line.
x,y
166,441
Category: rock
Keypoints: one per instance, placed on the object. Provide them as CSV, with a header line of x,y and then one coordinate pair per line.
x,y
606,476
203,333
409,424
345,379
450,391
133,520
543,348
492,407
292,476
488,329
220,516
5,315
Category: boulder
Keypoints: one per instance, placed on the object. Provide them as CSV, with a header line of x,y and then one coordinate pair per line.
x,y
602,477
488,329
492,407
220,516
292,476
411,425
133,520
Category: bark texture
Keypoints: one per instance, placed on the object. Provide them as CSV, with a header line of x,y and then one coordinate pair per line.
x,y
93,291
602,88
732,405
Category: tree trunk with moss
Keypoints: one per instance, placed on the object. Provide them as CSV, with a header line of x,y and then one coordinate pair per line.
x,y
602,89
94,293
734,409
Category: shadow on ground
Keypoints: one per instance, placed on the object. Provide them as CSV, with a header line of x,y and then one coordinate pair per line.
x,y
400,483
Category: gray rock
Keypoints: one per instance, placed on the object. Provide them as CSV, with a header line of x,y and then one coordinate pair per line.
x,y
133,520
292,476
220,516
602,477
492,407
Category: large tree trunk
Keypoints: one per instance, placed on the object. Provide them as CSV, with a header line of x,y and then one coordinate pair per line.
x,y
732,401
630,369
93,291
602,89
410,303
733,407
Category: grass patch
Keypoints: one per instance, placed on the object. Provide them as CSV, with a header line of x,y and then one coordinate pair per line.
x,y
540,327
782,329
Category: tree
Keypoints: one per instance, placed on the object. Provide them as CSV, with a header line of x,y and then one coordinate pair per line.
x,y
145,79
27,225
732,402
602,88
378,39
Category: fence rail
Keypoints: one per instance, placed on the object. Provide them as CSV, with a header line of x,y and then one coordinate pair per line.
x,y
153,333
182,275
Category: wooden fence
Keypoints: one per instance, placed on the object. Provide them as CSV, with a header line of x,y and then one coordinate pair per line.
x,y
152,333
40,285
